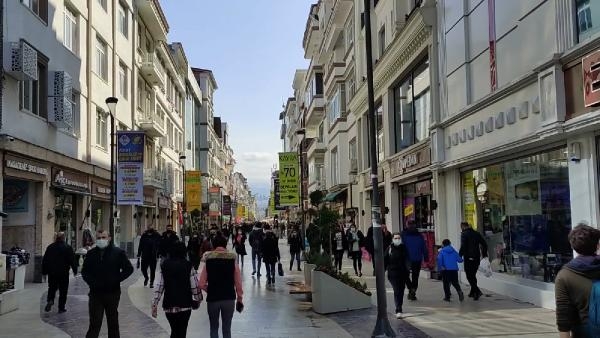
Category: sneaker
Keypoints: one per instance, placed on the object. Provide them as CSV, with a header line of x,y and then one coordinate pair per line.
x,y
447,299
399,315
62,310
151,286
145,282
299,269
477,295
360,274
461,296
253,273
49,306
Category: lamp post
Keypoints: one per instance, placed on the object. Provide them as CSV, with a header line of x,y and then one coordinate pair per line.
x,y
303,133
111,102
382,325
182,160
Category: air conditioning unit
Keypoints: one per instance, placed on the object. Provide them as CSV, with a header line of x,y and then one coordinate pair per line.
x,y
20,61
61,84
60,112
354,166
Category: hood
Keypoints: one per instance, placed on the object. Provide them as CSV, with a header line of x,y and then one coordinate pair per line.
x,y
448,249
588,266
411,232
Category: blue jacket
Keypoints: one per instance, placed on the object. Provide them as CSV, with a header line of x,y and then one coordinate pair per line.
x,y
448,259
415,244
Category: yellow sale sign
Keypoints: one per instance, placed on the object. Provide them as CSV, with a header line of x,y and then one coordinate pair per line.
x,y
193,190
289,184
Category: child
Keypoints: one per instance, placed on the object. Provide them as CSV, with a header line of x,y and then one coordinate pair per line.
x,y
447,262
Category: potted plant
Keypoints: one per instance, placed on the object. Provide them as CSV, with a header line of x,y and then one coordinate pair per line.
x,y
9,298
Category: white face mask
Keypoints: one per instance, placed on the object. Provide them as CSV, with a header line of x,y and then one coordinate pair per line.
x,y
397,242
102,243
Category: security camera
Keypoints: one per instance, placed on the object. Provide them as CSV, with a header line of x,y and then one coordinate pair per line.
x,y
574,158
10,138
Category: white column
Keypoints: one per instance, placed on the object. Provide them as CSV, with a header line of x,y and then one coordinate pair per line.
x,y
583,182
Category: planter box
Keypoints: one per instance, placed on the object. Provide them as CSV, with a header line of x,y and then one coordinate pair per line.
x,y
20,273
307,269
9,301
329,295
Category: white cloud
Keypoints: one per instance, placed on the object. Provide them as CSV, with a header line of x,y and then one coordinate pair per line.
x,y
258,157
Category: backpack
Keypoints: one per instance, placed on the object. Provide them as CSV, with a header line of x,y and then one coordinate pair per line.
x,y
593,324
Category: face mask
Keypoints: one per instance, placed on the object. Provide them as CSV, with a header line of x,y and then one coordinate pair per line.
x,y
102,243
352,229
239,232
397,242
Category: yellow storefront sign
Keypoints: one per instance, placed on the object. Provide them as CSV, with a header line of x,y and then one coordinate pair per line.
x,y
193,190
289,184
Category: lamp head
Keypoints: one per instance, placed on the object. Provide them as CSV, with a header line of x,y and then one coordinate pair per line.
x,y
111,102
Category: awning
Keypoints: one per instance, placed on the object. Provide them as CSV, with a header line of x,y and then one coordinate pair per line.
x,y
332,196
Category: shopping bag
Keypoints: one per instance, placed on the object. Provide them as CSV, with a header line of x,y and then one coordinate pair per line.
x,y
485,267
280,269
365,255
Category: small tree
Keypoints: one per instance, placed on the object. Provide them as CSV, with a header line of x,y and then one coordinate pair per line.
x,y
326,222
316,197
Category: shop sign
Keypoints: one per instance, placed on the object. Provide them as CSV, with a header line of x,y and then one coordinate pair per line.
x,y
289,185
163,202
149,200
101,190
214,201
193,190
591,79
67,179
410,162
226,205
25,165
130,168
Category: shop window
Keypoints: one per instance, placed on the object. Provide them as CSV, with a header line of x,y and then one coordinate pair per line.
x,y
33,95
588,22
522,207
64,217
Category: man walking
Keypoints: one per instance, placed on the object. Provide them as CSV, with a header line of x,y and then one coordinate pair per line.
x,y
296,244
148,252
167,241
417,252
104,268
257,236
472,248
58,259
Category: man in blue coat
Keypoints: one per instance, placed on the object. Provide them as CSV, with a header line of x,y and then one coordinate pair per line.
x,y
417,252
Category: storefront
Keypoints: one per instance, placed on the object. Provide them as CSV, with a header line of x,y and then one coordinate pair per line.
x,y
149,213
164,211
70,188
99,205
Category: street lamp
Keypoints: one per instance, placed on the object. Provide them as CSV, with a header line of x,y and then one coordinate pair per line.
x,y
303,133
382,325
182,160
111,102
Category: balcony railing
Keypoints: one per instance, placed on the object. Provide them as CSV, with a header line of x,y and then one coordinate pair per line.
x,y
153,70
153,123
155,178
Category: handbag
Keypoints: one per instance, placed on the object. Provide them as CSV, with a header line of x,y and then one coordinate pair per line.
x,y
365,254
280,268
195,304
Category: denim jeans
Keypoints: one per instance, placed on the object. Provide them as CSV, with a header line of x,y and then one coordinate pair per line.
x,y
398,284
223,309
256,260
270,270
294,255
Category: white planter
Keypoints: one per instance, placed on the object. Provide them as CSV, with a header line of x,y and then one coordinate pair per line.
x,y
307,269
329,295
9,301
20,277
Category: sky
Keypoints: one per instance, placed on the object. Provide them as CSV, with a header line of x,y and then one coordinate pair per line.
x,y
253,48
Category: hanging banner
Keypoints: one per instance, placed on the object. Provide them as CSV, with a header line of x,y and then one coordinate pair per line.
x,y
214,201
272,203
130,168
193,190
226,205
289,185
240,211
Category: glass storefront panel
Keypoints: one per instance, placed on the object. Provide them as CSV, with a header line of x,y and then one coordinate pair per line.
x,y
523,209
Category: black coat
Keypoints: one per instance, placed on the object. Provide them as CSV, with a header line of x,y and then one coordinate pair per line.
x,y
149,244
344,239
169,238
370,243
240,247
256,238
472,245
58,259
397,261
295,243
104,270
193,247
270,248
176,279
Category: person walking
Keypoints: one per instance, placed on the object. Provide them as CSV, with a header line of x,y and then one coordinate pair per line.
x,y
178,281
206,245
193,250
296,244
472,248
355,240
370,242
148,253
256,238
222,281
575,283
239,244
270,254
417,251
169,237
58,259
397,263
447,262
340,244
104,268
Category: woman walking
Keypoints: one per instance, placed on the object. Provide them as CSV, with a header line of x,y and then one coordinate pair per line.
x,y
178,281
397,263
221,280
239,244
355,242
270,254
295,243
340,244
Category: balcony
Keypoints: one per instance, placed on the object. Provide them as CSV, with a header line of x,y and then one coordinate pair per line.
x,y
316,147
178,196
154,178
154,18
335,69
316,111
153,124
312,33
152,70
335,24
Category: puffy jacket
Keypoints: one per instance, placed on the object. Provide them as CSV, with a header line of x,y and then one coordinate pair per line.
x,y
472,245
295,243
256,238
58,259
415,244
270,248
396,261
169,238
448,259
149,243
104,270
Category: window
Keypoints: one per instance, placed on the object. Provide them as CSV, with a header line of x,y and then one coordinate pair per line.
x,y
101,59
334,167
381,41
379,130
101,128
39,7
33,95
337,105
585,12
139,37
349,34
76,114
71,30
123,80
352,155
321,133
412,109
103,4
123,20
351,88
140,93
169,134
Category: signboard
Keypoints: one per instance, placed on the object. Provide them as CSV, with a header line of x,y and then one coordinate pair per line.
x,y
240,211
71,180
404,164
226,205
289,185
591,79
130,168
193,190
272,203
25,165
214,201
